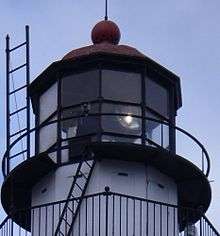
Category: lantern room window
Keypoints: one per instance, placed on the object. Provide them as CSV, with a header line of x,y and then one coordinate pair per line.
x,y
48,102
156,131
121,86
48,135
79,88
157,97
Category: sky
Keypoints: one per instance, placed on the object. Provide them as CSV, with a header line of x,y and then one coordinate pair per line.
x,y
183,36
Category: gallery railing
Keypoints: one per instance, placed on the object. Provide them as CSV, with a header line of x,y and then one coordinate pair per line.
x,y
109,214
153,132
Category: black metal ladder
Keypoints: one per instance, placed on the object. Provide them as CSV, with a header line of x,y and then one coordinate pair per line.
x,y
78,188
12,91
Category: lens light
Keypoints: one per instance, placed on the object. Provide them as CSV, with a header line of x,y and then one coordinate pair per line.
x,y
129,122
128,119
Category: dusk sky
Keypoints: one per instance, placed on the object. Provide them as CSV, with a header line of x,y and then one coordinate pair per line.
x,y
183,36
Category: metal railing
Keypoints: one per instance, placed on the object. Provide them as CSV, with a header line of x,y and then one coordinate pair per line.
x,y
110,214
203,162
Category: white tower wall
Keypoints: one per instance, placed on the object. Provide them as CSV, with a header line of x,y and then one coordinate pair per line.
x,y
129,216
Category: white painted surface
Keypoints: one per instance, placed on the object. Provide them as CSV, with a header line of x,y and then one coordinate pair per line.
x,y
48,102
112,173
130,216
57,185
160,187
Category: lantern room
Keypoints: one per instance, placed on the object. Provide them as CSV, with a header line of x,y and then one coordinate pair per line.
x,y
104,93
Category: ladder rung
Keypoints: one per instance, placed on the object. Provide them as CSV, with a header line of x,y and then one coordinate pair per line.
x,y
17,68
77,200
66,222
82,175
19,110
88,164
20,45
78,186
70,209
19,153
20,131
61,233
18,89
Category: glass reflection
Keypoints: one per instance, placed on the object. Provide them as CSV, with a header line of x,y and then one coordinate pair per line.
x,y
124,122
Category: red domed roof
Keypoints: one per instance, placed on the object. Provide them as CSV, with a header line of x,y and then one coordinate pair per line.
x,y
104,48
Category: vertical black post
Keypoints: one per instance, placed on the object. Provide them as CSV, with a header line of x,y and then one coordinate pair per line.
x,y
27,88
59,115
12,228
200,224
143,107
100,99
172,130
107,189
7,100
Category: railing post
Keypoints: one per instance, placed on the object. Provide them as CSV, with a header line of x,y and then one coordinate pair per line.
x,y
7,50
200,227
203,165
107,193
12,230
59,115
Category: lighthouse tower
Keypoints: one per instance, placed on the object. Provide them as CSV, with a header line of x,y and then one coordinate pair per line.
x,y
106,160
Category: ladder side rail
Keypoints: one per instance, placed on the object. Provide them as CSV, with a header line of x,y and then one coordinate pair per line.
x,y
27,88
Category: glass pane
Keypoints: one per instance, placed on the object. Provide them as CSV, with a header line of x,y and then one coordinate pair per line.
x,y
156,131
121,124
165,141
121,109
111,138
48,102
83,123
77,88
121,86
48,136
157,97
